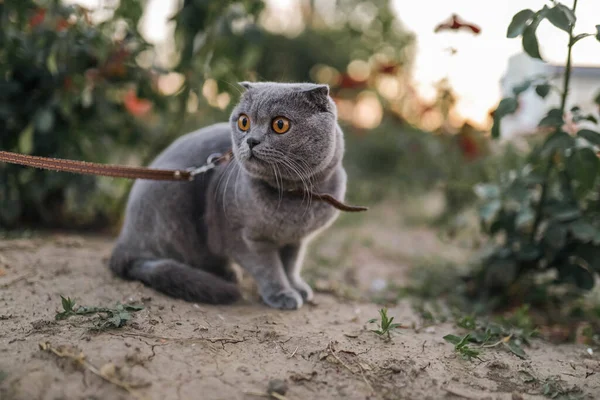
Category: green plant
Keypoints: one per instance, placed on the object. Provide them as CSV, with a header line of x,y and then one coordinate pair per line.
x,y
385,324
511,332
461,346
72,87
553,388
109,317
545,215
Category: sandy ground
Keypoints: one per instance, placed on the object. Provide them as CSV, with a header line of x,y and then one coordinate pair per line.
x,y
177,350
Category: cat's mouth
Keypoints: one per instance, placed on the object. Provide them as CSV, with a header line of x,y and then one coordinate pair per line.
x,y
256,158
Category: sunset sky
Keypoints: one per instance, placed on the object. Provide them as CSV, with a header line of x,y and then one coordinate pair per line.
x,y
481,60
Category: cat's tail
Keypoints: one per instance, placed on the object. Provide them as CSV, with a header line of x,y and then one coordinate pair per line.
x,y
178,280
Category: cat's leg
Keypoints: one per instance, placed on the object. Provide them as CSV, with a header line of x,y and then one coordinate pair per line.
x,y
262,261
292,257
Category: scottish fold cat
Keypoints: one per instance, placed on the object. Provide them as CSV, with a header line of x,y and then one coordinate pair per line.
x,y
182,238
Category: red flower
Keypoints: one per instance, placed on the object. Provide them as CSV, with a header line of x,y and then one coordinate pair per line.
x,y
62,25
388,68
68,83
37,18
349,83
115,65
455,24
136,106
469,147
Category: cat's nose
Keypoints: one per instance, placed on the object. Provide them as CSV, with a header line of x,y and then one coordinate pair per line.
x,y
252,142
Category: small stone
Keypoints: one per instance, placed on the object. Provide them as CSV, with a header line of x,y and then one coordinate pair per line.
x,y
378,284
277,386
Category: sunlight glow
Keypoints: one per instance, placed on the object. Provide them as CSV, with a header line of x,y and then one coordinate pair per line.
x,y
474,71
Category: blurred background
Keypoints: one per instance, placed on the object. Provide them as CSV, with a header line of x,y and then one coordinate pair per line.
x,y
117,81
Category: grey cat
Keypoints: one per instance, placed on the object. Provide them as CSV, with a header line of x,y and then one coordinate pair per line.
x,y
182,238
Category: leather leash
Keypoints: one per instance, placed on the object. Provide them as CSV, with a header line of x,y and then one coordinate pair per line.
x,y
121,171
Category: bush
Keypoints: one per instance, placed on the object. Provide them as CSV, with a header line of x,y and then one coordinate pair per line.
x,y
545,215
70,88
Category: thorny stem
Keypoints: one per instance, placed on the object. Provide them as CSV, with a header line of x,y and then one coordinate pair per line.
x,y
563,106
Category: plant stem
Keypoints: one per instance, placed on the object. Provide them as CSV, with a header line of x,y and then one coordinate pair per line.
x,y
540,206
567,78
563,105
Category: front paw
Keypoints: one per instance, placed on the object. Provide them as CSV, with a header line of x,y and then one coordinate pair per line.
x,y
304,289
286,299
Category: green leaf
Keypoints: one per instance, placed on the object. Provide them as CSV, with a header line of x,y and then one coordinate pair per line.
x,y
506,106
62,315
530,42
67,303
44,120
489,210
566,214
518,23
583,166
529,252
580,36
590,254
124,316
554,118
591,136
543,90
515,349
25,145
487,191
455,340
555,236
517,90
525,217
51,62
557,141
583,230
598,32
561,16
578,275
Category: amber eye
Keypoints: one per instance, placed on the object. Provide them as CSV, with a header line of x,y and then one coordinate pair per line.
x,y
281,125
244,122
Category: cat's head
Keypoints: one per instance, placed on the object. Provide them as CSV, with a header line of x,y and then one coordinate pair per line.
x,y
285,131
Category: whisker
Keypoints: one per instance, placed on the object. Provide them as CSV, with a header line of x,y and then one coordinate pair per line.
x,y
225,191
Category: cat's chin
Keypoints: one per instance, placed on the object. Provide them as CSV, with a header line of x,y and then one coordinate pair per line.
x,y
256,168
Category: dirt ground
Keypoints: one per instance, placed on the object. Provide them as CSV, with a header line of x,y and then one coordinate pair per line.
x,y
177,350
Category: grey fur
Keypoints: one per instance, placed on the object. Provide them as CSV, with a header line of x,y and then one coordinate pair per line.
x,y
181,238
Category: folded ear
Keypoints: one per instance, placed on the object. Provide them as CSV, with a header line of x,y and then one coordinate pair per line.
x,y
318,96
318,90
246,85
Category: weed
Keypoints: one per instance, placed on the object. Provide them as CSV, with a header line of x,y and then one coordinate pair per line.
x,y
109,317
553,389
509,332
385,325
461,345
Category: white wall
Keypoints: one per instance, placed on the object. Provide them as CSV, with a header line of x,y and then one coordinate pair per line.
x,y
584,88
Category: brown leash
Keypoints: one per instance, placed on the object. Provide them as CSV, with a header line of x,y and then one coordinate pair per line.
x,y
121,171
